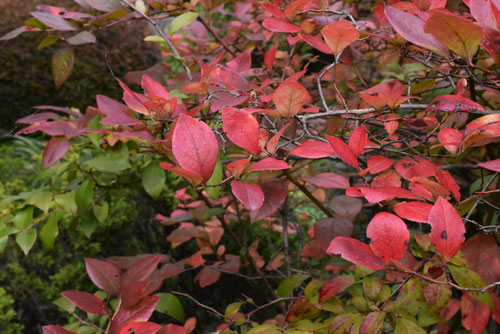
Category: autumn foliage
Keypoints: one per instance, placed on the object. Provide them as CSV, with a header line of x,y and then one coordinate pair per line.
x,y
344,155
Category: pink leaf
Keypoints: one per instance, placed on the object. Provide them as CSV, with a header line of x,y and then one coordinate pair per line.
x,y
242,129
105,275
55,149
447,229
54,21
250,194
313,149
451,139
277,25
343,151
51,329
410,167
274,10
389,236
414,211
275,193
339,35
448,182
143,327
193,178
493,165
38,118
86,301
328,180
378,163
357,140
195,147
115,113
289,98
411,28
356,252
207,276
269,164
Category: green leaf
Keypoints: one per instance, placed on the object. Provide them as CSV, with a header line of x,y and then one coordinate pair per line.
x,y
62,65
6,231
155,38
107,164
264,329
468,278
83,37
372,286
153,179
88,226
232,309
171,305
214,192
26,240
23,218
405,326
290,283
411,298
67,202
181,21
47,41
65,304
101,211
49,231
84,195
40,199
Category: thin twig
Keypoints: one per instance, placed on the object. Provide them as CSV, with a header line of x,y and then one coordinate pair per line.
x,y
217,38
210,309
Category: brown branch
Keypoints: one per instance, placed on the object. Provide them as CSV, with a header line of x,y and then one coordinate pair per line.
x,y
217,38
210,309
307,193
279,300
37,221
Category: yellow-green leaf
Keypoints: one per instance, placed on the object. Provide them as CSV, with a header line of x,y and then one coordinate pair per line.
x,y
62,65
181,21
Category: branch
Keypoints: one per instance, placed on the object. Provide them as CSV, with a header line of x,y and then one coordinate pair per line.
x,y
162,34
217,38
268,304
210,309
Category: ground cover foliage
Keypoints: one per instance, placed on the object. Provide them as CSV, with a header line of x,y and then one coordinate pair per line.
x,y
335,162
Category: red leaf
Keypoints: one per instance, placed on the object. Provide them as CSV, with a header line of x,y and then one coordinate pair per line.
x,y
250,194
339,35
313,149
268,164
460,35
141,269
447,229
193,178
86,301
207,276
356,252
173,329
410,167
140,312
414,211
346,207
242,129
483,254
334,286
377,164
142,327
292,10
357,140
328,180
115,112
237,167
153,89
270,57
378,194
273,142
450,309
132,292
343,151
451,139
316,43
475,315
55,149
493,165
51,329
448,182
54,21
195,147
411,28
104,275
274,10
453,103
389,236
289,98
277,25
275,193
